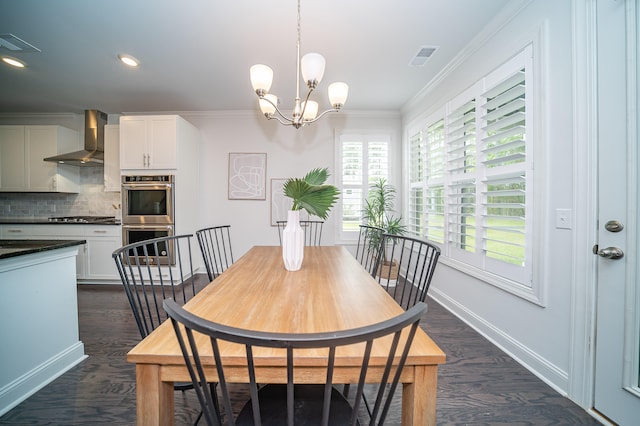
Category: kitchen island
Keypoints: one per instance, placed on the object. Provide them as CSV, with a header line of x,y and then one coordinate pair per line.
x,y
38,315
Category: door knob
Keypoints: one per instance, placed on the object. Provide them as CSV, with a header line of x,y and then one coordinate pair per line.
x,y
611,253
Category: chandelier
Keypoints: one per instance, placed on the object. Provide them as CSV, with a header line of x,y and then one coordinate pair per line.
x,y
304,112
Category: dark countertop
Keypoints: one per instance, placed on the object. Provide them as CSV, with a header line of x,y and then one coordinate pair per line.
x,y
13,248
46,221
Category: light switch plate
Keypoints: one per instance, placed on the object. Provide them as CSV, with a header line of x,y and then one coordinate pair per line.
x,y
564,219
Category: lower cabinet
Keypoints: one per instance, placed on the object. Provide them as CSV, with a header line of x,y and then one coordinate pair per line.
x,y
49,232
101,242
94,263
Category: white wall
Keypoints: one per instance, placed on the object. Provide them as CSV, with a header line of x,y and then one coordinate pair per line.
x,y
538,336
290,153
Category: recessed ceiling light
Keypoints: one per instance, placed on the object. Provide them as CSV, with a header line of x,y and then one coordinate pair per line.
x,y
129,60
13,62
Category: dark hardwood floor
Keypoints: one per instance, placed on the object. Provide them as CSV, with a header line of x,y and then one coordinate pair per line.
x,y
479,384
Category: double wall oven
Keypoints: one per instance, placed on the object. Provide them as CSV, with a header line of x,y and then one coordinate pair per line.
x,y
148,212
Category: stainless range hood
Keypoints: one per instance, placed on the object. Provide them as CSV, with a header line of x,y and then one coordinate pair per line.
x,y
93,152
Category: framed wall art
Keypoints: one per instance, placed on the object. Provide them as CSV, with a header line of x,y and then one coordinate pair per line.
x,y
247,176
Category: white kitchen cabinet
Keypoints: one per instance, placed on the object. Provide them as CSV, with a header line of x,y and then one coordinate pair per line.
x,y
94,263
149,142
102,241
22,150
165,144
13,176
112,158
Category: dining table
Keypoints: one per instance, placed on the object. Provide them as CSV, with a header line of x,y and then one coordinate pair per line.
x,y
331,291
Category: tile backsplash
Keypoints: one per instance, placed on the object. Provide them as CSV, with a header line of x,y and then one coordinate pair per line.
x,y
91,200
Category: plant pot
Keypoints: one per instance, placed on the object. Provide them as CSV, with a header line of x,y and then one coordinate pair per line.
x,y
293,242
388,272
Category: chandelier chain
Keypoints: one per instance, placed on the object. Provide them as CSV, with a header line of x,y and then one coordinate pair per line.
x,y
298,60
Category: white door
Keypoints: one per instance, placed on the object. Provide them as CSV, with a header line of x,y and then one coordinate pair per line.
x,y
617,364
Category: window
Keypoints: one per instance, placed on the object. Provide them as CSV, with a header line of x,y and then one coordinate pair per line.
x,y
362,158
415,219
470,177
461,164
434,179
504,158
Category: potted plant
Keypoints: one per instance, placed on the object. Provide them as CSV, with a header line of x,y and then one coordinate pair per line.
x,y
312,194
377,212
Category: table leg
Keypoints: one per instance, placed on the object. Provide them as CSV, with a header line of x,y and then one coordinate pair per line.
x,y
419,397
154,398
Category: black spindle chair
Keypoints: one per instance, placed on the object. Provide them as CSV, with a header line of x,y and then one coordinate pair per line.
x,y
405,267
273,404
149,277
215,246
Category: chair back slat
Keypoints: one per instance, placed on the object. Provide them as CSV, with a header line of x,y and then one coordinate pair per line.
x,y
147,281
405,267
369,240
402,327
215,246
312,231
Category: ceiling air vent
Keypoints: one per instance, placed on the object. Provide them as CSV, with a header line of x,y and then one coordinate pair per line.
x,y
421,57
15,44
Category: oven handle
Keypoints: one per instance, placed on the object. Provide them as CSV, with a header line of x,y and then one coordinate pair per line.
x,y
128,227
147,185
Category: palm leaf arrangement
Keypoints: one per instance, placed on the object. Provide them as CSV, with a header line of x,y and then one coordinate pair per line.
x,y
311,193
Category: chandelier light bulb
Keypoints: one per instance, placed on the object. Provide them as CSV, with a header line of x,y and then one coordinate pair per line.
x,y
261,78
338,93
310,109
268,104
312,67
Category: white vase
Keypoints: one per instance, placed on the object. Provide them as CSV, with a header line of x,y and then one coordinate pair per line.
x,y
293,242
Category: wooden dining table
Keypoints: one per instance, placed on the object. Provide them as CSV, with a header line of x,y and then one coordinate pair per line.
x,y
331,291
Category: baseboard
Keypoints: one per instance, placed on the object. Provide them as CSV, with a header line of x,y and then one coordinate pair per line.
x,y
549,373
29,383
99,282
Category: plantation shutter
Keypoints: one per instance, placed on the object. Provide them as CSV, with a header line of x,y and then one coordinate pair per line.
x,y
377,160
414,220
352,181
504,211
363,158
434,175
504,157
461,146
476,168
461,166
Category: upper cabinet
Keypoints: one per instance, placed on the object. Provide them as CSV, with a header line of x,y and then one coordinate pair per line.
x,y
13,154
149,142
22,150
112,158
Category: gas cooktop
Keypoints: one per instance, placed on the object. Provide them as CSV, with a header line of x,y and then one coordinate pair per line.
x,y
83,219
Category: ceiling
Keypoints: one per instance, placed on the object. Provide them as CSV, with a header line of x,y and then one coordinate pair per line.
x,y
195,55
